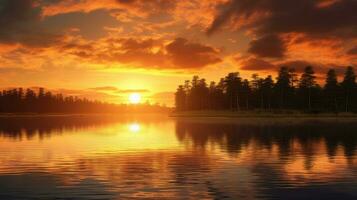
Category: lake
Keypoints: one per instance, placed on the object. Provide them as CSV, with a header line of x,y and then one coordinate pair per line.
x,y
156,157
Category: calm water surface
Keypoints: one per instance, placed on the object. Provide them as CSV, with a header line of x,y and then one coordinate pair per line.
x,y
155,157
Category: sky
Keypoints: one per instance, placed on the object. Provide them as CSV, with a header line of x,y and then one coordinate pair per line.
x,y
108,49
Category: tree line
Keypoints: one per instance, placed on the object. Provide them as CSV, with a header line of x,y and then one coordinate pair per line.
x,y
21,100
287,92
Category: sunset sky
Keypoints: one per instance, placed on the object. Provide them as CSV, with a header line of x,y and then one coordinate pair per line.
x,y
108,49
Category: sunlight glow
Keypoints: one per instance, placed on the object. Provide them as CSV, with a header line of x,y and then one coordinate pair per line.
x,y
134,127
134,98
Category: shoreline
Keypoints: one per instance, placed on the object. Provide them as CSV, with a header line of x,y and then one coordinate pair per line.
x,y
205,115
39,115
264,115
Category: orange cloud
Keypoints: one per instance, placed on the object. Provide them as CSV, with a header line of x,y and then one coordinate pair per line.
x,y
137,7
191,55
147,53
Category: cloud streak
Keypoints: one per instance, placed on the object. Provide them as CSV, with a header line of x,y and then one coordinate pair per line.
x,y
118,91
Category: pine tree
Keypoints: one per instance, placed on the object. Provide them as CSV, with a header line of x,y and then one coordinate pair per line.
x,y
307,84
283,86
180,98
349,85
233,84
331,89
268,85
246,90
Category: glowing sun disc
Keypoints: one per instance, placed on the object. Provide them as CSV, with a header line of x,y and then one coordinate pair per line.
x,y
134,98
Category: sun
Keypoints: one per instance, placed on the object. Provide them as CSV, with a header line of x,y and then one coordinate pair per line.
x,y
134,98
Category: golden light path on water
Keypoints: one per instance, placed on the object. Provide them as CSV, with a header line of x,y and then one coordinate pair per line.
x,y
116,138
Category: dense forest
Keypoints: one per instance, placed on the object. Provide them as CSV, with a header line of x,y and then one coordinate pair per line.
x,y
21,100
286,93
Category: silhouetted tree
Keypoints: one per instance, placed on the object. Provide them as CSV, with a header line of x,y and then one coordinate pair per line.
x,y
283,86
198,94
267,89
216,96
349,86
15,101
180,98
246,90
233,93
221,96
293,77
203,92
331,90
233,84
306,86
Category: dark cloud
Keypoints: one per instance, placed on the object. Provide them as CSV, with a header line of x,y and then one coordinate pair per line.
x,y
255,64
15,11
268,46
191,55
313,18
20,23
304,16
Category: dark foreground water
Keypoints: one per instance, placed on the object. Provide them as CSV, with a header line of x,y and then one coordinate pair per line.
x,y
154,157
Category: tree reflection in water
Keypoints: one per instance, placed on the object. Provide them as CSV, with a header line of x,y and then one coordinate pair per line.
x,y
235,136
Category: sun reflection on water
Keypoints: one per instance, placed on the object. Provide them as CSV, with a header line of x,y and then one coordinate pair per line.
x,y
134,127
